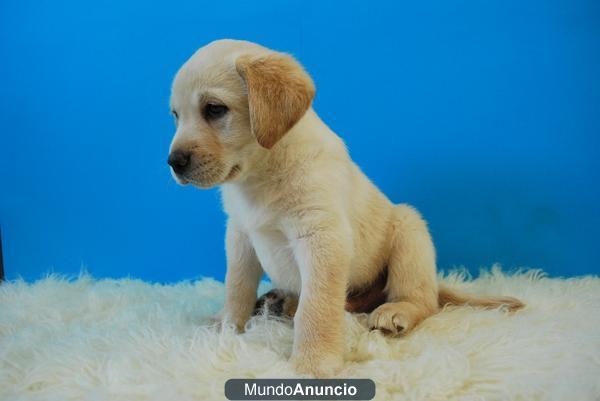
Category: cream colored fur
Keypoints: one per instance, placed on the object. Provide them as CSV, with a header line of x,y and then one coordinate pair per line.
x,y
129,340
299,209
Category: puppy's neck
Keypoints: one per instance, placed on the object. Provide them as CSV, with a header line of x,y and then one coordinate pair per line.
x,y
296,150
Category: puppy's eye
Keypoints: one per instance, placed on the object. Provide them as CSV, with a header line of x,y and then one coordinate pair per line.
x,y
175,114
214,111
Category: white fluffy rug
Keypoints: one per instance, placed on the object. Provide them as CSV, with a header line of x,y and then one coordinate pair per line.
x,y
89,339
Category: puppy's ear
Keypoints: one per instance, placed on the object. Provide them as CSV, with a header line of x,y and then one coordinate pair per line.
x,y
279,93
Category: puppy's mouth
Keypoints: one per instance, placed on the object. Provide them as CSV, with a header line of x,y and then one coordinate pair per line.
x,y
207,178
180,179
235,170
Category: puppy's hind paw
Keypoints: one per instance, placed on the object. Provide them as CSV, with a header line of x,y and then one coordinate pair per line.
x,y
279,303
392,319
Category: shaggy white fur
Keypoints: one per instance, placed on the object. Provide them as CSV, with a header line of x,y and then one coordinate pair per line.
x,y
89,339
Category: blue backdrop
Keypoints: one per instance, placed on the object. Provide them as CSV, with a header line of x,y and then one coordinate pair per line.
x,y
485,115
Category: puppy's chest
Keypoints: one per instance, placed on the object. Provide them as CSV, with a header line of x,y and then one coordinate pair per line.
x,y
276,257
272,247
248,212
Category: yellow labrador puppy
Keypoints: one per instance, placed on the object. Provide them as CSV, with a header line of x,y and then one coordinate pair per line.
x,y
299,209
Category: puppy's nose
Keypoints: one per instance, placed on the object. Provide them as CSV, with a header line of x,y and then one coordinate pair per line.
x,y
179,160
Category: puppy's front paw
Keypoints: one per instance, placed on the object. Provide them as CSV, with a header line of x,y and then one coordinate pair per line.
x,y
225,321
277,303
319,366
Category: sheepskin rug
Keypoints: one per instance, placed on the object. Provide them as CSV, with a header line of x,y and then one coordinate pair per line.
x,y
87,339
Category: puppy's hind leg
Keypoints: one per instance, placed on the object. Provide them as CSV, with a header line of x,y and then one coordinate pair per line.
x,y
411,287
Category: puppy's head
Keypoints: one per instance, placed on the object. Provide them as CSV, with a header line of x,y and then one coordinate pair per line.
x,y
233,100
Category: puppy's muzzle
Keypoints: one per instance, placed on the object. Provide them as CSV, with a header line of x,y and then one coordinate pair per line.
x,y
179,160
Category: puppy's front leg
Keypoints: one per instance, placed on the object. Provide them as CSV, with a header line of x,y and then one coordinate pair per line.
x,y
319,320
242,278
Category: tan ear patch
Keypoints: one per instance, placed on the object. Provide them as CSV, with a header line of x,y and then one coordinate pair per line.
x,y
279,93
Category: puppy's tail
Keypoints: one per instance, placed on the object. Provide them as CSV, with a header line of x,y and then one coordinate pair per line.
x,y
446,296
